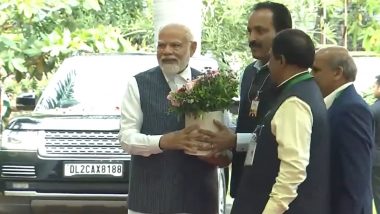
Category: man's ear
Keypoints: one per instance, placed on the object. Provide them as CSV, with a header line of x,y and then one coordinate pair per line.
x,y
338,73
193,47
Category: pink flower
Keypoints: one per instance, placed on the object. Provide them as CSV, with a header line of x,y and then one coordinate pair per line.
x,y
175,103
215,73
169,97
212,74
182,89
189,85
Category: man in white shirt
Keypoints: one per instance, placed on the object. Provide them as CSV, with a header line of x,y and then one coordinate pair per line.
x,y
351,132
163,178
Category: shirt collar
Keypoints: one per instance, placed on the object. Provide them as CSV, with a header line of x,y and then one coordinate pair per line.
x,y
291,78
185,75
329,99
259,65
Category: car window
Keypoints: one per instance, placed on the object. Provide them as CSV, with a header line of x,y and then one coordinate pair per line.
x,y
96,85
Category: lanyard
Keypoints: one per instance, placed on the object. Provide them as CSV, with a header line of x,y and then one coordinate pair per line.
x,y
259,90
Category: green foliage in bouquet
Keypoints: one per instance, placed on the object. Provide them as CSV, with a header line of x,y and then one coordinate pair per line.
x,y
211,91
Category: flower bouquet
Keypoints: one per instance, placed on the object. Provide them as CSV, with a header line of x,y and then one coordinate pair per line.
x,y
204,99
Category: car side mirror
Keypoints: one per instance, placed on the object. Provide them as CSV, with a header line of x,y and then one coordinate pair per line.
x,y
26,101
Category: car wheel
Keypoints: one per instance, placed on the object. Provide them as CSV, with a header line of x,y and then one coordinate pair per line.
x,y
221,192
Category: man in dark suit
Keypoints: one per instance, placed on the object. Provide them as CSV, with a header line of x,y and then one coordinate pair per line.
x,y
351,132
375,108
286,169
256,94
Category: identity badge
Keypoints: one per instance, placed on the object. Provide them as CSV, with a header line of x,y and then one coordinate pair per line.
x,y
253,109
251,151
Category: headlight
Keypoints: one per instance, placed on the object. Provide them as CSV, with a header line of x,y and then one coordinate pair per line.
x,y
21,140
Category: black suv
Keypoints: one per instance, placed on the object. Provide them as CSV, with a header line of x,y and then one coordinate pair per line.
x,y
65,156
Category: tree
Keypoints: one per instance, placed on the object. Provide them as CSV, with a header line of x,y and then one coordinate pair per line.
x,y
36,35
224,31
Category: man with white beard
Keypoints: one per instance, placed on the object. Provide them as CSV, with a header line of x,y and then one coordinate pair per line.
x,y
163,178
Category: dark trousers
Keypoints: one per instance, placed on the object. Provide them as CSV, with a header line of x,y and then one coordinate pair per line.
x,y
376,187
237,172
227,177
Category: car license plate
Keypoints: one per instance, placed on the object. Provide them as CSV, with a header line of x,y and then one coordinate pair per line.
x,y
111,169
